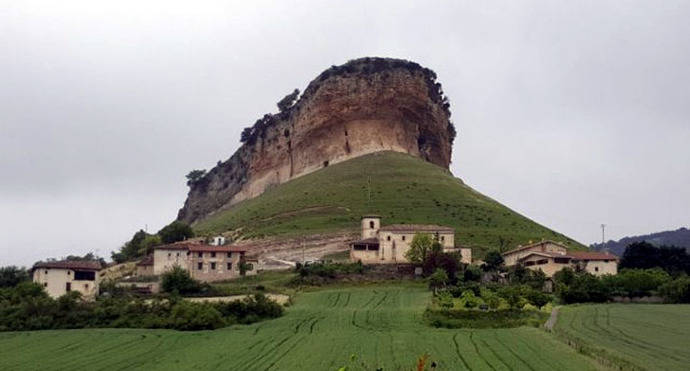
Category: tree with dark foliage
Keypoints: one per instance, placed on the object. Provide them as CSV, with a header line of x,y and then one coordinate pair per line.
x,y
11,276
289,100
175,231
643,255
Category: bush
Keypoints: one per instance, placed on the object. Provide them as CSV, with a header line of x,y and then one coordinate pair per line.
x,y
194,316
454,318
438,279
179,281
676,291
472,273
468,300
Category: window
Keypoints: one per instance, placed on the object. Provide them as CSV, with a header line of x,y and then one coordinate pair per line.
x,y
169,255
527,264
229,255
45,284
561,260
229,266
359,247
388,238
178,254
403,238
249,267
371,224
596,269
86,286
69,272
213,266
199,266
201,255
68,286
213,254
443,238
542,262
84,276
46,272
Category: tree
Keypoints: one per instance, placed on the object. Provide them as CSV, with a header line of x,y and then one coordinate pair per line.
x,y
493,261
289,100
175,231
419,248
438,279
148,243
194,176
644,255
179,281
11,276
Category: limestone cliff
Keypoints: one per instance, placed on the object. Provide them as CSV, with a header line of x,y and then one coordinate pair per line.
x,y
366,105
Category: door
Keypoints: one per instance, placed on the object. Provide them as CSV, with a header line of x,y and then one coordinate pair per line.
x,y
68,286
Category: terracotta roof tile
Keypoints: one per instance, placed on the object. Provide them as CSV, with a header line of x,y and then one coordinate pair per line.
x,y
591,255
416,228
70,264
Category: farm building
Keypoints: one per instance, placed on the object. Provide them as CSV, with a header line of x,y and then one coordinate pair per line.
x,y
144,267
550,257
388,244
203,262
60,277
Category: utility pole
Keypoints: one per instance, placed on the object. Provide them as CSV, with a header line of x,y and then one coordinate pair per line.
x,y
603,240
369,192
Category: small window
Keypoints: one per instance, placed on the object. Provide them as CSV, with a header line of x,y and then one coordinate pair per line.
x,y
229,266
200,266
249,267
596,269
443,238
201,255
169,255
229,255
45,284
371,224
403,238
213,254
213,266
46,272
388,238
178,254
86,286
69,272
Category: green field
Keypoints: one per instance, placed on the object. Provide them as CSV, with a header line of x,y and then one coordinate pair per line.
x,y
645,336
382,325
399,187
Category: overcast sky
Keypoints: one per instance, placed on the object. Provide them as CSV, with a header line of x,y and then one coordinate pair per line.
x,y
572,113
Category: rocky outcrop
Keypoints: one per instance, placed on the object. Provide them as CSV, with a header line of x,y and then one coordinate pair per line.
x,y
366,105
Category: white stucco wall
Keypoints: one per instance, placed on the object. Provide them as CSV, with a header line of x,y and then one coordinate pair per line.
x,y
54,282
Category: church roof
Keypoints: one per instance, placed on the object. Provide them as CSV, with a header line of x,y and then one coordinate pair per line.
x,y
416,228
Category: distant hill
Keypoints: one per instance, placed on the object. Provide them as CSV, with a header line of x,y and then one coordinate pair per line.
x,y
679,238
399,187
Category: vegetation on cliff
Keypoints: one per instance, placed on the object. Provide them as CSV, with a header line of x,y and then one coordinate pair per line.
x,y
400,187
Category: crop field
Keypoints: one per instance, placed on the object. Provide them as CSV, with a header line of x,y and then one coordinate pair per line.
x,y
381,325
639,335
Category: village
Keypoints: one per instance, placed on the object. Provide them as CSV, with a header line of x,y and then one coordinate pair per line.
x,y
214,259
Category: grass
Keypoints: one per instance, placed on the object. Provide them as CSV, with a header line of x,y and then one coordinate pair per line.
x,y
402,189
381,324
632,336
275,282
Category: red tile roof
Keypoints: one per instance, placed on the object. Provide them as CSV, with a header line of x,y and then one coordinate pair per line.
x,y
70,264
416,228
591,255
533,245
197,247
545,253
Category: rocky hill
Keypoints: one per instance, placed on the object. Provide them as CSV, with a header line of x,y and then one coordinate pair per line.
x,y
364,106
679,238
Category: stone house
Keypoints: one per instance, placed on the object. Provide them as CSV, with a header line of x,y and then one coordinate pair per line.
x,y
550,257
61,277
203,262
388,244
144,267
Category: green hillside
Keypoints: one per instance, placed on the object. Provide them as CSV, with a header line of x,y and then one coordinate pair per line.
x,y
399,187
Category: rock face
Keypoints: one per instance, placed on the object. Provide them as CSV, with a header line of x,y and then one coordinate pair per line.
x,y
366,105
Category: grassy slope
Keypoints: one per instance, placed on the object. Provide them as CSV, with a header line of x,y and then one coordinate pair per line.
x,y
645,336
404,189
380,324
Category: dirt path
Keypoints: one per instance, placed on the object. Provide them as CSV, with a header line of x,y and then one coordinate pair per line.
x,y
552,319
